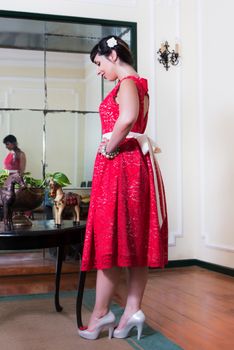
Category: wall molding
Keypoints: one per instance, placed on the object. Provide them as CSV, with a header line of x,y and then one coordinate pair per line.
x,y
216,246
204,233
124,3
41,79
152,129
179,184
35,59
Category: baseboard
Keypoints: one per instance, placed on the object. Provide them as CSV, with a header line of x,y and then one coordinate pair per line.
x,y
181,263
195,262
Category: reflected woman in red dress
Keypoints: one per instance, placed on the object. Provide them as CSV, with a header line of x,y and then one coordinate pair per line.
x,y
127,220
15,161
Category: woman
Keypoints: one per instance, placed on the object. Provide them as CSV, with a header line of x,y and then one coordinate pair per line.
x,y
123,227
15,161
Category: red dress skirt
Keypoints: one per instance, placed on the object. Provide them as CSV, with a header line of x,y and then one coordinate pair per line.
x,y
123,227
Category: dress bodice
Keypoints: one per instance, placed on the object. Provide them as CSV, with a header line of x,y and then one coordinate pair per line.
x,y
11,162
109,108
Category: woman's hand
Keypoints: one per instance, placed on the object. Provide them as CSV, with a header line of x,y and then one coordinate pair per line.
x,y
103,143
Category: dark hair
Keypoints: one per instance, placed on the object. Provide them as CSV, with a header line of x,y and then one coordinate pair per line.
x,y
10,139
121,48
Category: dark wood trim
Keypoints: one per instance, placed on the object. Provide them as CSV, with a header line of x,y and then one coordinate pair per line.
x,y
63,18
181,263
217,268
82,20
206,265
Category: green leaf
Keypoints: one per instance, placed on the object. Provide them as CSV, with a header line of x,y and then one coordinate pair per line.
x,y
3,176
4,172
61,179
32,182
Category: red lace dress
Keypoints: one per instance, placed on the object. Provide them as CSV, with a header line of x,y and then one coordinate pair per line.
x,y
123,226
11,162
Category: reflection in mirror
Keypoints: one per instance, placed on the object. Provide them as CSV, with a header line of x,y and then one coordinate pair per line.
x,y
28,129
50,93
73,130
71,137
71,144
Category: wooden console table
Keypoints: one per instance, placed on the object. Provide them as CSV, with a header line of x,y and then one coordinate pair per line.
x,y
43,234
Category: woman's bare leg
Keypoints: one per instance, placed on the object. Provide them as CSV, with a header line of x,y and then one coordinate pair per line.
x,y
137,279
106,284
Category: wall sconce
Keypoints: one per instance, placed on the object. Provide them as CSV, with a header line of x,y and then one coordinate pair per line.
x,y
167,57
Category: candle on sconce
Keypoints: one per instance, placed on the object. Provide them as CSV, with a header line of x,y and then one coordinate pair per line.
x,y
177,48
162,47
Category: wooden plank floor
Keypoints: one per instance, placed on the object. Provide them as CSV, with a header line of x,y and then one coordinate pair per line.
x,y
192,306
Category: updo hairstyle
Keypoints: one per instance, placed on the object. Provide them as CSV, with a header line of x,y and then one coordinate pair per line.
x,y
109,43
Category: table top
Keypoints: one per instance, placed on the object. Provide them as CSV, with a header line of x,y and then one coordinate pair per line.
x,y
40,227
42,234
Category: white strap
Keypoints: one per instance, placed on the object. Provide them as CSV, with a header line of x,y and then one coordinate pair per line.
x,y
142,139
12,171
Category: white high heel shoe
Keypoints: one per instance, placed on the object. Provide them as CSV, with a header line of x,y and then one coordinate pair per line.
x,y
136,320
106,322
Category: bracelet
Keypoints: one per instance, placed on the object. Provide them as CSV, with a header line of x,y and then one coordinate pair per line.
x,y
109,155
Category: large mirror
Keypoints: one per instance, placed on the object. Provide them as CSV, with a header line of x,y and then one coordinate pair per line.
x,y
49,93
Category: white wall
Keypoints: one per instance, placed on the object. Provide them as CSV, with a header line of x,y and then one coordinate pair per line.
x,y
216,125
195,110
191,110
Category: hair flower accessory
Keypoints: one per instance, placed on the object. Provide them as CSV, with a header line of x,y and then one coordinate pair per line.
x,y
111,42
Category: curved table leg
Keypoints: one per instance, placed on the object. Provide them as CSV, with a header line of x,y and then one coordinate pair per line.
x,y
60,257
80,298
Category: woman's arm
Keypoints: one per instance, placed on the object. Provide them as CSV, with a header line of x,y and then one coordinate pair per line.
x,y
22,159
128,101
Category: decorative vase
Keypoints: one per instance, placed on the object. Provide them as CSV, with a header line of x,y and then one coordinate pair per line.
x,y
27,199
